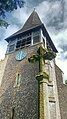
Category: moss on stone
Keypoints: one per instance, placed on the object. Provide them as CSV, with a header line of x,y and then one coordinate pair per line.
x,y
49,55
42,75
34,58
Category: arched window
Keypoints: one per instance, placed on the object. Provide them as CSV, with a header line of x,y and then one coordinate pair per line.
x,y
13,113
17,80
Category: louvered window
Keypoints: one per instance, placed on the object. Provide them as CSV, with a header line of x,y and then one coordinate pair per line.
x,y
36,37
11,47
23,42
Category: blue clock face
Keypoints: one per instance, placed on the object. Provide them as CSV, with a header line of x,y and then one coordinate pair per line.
x,y
21,55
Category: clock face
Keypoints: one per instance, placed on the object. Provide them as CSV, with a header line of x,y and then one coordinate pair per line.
x,y
20,55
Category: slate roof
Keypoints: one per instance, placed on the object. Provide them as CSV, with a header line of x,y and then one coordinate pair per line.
x,y
32,21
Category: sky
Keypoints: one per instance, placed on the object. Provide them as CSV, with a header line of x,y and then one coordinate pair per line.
x,y
53,13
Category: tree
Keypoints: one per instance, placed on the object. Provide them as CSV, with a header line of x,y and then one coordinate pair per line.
x,y
8,6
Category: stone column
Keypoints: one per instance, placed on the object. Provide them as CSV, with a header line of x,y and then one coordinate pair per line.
x,y
42,78
43,99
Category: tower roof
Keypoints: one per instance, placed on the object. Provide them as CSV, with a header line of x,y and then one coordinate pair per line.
x,y
32,22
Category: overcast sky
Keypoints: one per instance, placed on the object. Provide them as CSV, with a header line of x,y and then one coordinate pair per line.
x,y
53,14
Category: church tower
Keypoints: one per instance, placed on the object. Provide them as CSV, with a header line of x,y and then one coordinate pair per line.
x,y
28,86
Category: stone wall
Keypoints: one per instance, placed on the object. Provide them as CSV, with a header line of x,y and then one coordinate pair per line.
x,y
21,101
53,101
2,68
24,98
62,93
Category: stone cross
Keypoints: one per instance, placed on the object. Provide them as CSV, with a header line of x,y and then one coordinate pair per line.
x,y
41,56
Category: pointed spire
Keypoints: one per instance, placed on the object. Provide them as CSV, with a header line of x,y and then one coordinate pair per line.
x,y
32,21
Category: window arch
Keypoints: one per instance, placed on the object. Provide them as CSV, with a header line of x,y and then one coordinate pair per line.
x,y
17,79
13,113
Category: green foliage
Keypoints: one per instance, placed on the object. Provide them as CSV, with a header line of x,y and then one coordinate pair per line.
x,y
3,23
8,6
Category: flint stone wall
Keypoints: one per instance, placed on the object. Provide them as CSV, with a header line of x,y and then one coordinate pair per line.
x,y
23,98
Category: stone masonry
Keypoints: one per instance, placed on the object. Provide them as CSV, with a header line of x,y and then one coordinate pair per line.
x,y
23,98
62,93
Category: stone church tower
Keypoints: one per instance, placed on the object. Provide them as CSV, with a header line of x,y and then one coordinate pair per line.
x,y
28,88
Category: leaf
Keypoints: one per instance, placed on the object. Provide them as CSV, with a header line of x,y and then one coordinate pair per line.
x,y
8,6
3,23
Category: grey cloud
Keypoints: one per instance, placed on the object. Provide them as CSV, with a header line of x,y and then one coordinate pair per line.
x,y
37,2
52,13
51,10
63,46
55,15
34,3
12,20
2,32
63,56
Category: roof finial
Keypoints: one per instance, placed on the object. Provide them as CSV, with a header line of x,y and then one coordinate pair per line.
x,y
34,9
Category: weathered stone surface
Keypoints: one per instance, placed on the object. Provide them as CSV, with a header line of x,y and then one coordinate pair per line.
x,y
23,98
62,93
2,68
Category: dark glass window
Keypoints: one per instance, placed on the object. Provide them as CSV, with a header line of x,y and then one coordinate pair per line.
x,y
36,33
36,36
23,42
36,39
18,44
11,48
28,40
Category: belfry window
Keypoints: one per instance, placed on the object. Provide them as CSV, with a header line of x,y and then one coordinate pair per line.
x,y
11,47
36,37
28,41
23,42
18,44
